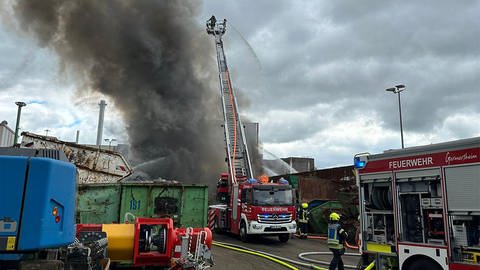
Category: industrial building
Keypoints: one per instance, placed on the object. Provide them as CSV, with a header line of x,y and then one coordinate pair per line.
x,y
300,164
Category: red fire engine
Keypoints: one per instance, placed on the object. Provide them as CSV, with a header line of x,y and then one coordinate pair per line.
x,y
248,207
420,206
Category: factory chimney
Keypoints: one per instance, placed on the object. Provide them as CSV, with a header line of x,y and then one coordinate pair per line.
x,y
102,105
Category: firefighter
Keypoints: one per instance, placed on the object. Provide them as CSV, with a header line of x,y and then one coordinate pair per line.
x,y
303,220
336,238
212,21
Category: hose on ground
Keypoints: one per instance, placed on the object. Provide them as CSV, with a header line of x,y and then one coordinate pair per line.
x,y
289,266
325,238
302,257
280,259
307,265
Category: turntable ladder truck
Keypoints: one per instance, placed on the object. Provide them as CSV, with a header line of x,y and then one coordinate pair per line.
x,y
245,209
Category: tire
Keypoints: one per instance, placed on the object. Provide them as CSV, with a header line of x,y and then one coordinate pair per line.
x,y
284,237
243,232
423,264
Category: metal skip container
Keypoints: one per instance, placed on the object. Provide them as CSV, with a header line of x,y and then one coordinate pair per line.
x,y
103,195
122,202
319,215
94,164
98,203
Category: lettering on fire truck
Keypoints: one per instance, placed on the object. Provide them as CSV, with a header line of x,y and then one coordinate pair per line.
x,y
407,163
466,156
275,209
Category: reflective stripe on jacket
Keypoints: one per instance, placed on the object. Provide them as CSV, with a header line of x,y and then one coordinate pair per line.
x,y
303,216
334,232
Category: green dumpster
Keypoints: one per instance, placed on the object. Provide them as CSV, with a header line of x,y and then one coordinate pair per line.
x,y
292,180
186,204
318,221
120,202
98,203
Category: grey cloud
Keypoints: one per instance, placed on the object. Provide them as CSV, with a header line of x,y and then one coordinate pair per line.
x,y
373,46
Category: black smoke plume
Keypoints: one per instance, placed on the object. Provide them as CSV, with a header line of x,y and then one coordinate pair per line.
x,y
155,60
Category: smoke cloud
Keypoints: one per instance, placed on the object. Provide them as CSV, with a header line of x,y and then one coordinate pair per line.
x,y
155,61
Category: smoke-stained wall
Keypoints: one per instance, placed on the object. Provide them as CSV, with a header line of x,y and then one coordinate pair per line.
x,y
156,62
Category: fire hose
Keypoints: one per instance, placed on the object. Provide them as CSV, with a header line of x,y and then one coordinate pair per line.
x,y
269,256
325,238
283,260
302,257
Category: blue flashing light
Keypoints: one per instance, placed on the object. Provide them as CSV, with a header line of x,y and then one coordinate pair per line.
x,y
283,181
283,216
252,181
358,163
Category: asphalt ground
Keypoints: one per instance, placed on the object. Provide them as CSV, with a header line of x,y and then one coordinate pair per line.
x,y
229,259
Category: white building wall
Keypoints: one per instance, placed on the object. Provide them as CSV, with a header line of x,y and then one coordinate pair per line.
x,y
6,135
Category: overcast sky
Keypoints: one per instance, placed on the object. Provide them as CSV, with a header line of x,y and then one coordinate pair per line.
x,y
313,74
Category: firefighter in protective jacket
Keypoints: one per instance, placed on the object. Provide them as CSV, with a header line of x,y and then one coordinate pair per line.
x,y
336,238
303,220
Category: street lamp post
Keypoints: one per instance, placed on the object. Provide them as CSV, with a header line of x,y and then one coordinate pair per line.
x,y
20,104
396,90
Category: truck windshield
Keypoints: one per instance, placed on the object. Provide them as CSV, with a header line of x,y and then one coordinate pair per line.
x,y
272,196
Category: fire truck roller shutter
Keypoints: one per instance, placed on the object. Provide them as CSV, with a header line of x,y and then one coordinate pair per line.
x,y
463,187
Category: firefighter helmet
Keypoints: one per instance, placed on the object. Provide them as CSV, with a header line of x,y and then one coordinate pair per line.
x,y
334,216
304,205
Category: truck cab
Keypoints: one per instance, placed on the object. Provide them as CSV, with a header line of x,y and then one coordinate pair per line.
x,y
267,209
256,209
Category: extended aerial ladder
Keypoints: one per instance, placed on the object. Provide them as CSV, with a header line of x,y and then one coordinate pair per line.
x,y
238,159
247,207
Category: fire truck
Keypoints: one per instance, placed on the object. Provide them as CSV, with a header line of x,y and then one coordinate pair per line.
x,y
420,206
246,206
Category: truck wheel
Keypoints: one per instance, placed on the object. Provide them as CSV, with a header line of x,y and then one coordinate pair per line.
x,y
284,237
422,264
243,232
